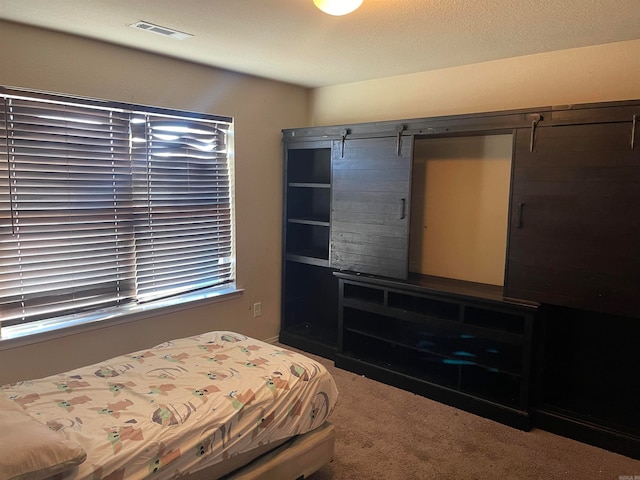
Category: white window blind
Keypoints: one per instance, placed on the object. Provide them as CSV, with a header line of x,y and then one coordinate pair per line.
x,y
104,204
182,204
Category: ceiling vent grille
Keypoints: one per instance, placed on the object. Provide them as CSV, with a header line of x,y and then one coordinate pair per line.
x,y
164,31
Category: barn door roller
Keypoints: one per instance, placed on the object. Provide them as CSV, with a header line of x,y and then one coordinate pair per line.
x,y
535,119
344,134
399,130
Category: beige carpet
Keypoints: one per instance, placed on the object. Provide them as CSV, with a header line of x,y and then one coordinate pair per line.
x,y
386,433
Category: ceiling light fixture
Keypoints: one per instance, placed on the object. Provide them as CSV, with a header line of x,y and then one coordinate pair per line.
x,y
337,7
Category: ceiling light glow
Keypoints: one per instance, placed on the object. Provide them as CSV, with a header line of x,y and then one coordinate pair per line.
x,y
337,7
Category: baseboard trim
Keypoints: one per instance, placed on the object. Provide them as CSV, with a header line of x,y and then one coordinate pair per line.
x,y
586,432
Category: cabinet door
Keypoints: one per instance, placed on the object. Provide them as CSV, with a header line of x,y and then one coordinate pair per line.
x,y
370,205
575,219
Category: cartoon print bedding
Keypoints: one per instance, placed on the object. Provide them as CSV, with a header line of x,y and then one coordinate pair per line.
x,y
181,406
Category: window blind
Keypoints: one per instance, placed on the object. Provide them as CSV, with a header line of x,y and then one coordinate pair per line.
x,y
102,205
182,204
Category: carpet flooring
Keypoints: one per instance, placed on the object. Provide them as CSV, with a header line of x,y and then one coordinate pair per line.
x,y
383,432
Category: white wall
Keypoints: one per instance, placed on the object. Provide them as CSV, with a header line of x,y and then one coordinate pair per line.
x,y
49,61
580,75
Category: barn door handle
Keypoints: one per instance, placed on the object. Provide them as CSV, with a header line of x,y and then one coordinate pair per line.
x,y
403,208
519,213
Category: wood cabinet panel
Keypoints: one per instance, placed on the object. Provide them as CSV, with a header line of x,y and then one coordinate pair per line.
x,y
370,205
575,226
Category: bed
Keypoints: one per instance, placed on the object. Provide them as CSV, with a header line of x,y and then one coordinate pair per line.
x,y
216,405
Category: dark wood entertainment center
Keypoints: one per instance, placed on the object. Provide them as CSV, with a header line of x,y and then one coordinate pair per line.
x,y
553,345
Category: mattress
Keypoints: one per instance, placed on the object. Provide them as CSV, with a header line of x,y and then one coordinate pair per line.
x,y
182,406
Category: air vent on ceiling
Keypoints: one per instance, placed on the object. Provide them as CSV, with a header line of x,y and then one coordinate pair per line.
x,y
164,31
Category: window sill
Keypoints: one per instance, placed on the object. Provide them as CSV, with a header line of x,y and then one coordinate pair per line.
x,y
21,335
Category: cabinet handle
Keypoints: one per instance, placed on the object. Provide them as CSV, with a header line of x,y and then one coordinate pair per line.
x,y
519,215
633,131
403,208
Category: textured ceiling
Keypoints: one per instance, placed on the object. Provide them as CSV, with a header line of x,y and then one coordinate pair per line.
x,y
292,41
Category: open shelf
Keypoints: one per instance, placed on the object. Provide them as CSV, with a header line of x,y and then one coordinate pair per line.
x,y
308,240
309,203
470,346
309,166
309,293
309,309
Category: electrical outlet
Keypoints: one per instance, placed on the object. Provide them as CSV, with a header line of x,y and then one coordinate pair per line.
x,y
257,309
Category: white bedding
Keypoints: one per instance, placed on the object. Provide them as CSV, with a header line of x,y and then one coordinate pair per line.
x,y
181,406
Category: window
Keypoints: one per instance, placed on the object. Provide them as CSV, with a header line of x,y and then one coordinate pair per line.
x,y
104,205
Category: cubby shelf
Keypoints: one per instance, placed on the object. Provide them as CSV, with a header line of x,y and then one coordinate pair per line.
x,y
461,344
309,312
